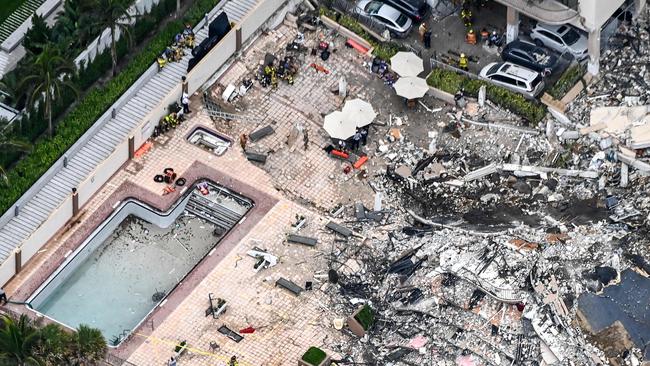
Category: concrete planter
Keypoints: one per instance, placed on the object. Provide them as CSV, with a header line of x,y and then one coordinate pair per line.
x,y
561,105
331,23
354,325
326,362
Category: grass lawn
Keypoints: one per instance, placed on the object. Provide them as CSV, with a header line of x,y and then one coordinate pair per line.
x,y
8,7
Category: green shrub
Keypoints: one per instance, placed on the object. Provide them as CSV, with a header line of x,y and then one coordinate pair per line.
x,y
568,79
314,356
451,82
365,317
90,108
383,50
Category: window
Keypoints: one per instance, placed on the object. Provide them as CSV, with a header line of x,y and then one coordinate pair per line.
x,y
571,37
550,36
383,20
504,79
401,20
372,7
521,55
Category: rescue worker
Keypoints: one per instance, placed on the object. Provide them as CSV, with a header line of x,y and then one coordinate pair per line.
x,y
233,361
484,35
466,17
471,37
422,30
162,61
427,39
494,39
462,62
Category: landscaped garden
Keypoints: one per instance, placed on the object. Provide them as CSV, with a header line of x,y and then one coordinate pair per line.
x,y
54,121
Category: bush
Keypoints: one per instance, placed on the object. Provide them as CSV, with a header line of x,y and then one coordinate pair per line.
x,y
382,50
568,79
314,356
90,108
451,82
365,317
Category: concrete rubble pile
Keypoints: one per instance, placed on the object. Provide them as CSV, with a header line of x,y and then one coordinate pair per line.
x,y
489,240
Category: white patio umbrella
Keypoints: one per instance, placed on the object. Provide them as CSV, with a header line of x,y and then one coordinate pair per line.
x,y
360,113
406,64
337,128
411,87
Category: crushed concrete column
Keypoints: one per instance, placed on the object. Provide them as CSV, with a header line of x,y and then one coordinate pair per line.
x,y
593,65
639,5
512,31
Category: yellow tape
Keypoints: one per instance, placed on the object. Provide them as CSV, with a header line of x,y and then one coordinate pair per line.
x,y
157,340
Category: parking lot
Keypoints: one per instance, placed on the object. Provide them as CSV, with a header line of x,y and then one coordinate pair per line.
x,y
448,39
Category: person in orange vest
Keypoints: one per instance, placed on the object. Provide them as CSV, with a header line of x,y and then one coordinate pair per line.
x,y
471,37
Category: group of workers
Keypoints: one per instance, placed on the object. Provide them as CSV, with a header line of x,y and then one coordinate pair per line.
x,y
285,70
175,52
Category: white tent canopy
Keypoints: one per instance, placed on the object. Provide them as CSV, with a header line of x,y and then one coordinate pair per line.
x,y
411,87
358,112
337,128
406,64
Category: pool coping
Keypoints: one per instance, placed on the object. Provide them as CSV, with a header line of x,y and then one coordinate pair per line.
x,y
263,202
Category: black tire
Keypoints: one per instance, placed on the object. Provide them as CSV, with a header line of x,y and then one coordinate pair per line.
x,y
539,43
168,171
180,182
158,178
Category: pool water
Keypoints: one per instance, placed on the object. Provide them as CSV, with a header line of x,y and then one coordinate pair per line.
x,y
122,280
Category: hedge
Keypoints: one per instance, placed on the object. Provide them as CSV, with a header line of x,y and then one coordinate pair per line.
x,y
382,50
365,317
90,108
568,79
451,82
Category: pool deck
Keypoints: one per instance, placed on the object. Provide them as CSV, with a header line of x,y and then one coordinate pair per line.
x,y
294,181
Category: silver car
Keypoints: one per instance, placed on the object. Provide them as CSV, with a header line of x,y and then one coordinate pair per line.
x,y
562,38
514,77
397,23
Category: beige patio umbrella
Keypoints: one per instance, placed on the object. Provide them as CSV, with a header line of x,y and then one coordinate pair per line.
x,y
359,112
337,128
406,64
411,87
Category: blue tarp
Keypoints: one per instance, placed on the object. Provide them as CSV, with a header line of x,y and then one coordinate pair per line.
x,y
627,302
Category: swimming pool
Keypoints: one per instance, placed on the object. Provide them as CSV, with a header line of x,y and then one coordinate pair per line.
x,y
135,258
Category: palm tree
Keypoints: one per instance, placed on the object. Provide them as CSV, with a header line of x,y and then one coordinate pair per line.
x,y
48,76
18,341
90,344
113,15
54,345
75,23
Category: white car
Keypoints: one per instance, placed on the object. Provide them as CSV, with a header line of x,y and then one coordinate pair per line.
x,y
514,77
562,38
397,23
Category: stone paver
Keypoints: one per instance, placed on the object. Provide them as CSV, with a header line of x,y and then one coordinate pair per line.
x,y
300,181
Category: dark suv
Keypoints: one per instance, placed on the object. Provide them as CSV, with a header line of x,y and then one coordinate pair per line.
x,y
414,9
531,56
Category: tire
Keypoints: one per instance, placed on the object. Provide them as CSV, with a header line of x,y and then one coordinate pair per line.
x,y
546,72
158,178
539,43
180,182
168,171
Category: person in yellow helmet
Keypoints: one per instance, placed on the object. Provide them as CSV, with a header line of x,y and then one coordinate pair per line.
x,y
462,62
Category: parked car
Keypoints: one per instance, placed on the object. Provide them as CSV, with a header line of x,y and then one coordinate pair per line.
x,y
562,38
530,56
397,23
414,9
514,77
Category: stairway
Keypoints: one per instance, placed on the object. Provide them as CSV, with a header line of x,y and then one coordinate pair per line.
x,y
18,17
212,211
